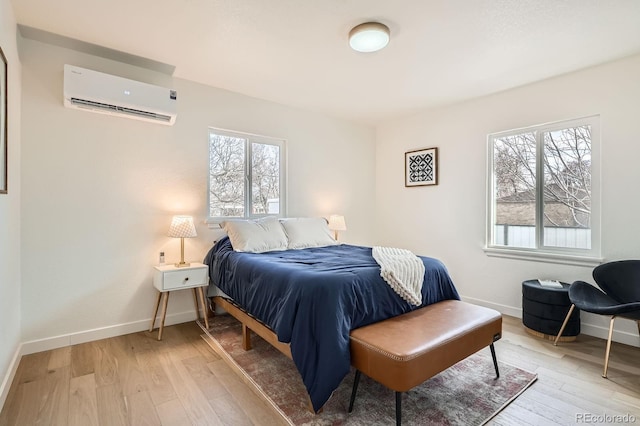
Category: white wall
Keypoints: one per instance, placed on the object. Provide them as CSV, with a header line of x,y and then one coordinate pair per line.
x,y
10,211
99,192
447,221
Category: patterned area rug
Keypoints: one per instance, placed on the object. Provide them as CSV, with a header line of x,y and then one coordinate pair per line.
x,y
465,394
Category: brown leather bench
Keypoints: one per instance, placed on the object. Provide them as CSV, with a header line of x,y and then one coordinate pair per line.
x,y
404,351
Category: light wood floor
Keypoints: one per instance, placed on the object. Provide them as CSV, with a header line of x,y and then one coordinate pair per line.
x,y
136,380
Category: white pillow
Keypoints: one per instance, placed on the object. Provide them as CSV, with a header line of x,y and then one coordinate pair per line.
x,y
308,232
256,236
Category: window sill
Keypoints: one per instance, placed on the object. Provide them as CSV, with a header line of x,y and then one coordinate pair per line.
x,y
546,257
214,223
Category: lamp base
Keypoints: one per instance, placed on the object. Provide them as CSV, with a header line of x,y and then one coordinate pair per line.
x,y
182,263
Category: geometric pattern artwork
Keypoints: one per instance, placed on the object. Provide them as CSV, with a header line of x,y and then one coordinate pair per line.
x,y
421,167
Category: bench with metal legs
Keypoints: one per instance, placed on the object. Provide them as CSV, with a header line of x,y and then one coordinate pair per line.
x,y
403,352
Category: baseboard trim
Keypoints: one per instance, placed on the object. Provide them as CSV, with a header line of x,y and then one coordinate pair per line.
x,y
504,309
11,373
619,336
61,341
589,329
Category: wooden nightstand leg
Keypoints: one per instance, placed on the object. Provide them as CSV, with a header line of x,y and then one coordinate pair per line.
x,y
155,312
195,301
165,302
204,307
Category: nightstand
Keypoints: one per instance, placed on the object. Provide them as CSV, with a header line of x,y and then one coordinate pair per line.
x,y
168,278
544,310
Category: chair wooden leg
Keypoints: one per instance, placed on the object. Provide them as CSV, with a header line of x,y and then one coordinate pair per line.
x,y
606,355
564,324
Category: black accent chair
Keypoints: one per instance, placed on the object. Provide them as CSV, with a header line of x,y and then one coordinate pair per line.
x,y
620,296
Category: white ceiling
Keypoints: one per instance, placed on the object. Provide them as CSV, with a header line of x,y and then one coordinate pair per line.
x,y
296,52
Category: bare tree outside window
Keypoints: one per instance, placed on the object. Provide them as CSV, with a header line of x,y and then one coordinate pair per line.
x,y
565,182
245,175
515,164
226,176
567,177
265,178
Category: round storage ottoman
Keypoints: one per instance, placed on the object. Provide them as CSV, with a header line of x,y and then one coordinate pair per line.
x,y
545,308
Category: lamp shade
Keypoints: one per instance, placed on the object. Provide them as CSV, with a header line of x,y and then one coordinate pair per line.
x,y
336,223
369,37
182,227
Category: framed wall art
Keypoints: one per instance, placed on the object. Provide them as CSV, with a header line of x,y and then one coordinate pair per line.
x,y
3,123
421,167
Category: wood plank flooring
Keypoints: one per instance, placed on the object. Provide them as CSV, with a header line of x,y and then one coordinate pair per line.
x,y
136,380
133,380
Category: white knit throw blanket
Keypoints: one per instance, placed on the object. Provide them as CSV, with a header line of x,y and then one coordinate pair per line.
x,y
402,270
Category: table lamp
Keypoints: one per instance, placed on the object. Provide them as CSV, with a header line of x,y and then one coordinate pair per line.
x,y
336,223
182,227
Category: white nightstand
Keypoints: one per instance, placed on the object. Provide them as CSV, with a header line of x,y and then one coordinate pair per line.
x,y
168,278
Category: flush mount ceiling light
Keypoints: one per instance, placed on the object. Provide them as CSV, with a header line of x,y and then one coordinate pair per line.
x,y
369,37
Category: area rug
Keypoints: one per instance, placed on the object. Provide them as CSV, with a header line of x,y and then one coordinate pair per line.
x,y
465,394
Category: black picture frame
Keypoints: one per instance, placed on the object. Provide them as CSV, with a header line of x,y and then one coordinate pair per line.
x,y
4,104
421,167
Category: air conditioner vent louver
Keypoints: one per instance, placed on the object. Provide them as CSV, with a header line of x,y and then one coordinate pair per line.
x,y
83,103
108,94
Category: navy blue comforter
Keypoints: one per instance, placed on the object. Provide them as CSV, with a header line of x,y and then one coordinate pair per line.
x,y
313,297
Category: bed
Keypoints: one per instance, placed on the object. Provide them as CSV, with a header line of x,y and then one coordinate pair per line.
x,y
312,298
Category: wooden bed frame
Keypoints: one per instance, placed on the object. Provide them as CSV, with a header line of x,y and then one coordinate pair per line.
x,y
250,323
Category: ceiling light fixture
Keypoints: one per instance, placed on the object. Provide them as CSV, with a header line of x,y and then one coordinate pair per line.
x,y
369,37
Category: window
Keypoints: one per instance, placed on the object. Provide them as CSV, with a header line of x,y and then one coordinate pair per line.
x,y
246,176
544,190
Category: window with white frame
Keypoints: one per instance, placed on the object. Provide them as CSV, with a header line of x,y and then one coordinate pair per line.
x,y
246,176
543,190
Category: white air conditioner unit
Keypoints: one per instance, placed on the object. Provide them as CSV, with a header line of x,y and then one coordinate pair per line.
x,y
107,94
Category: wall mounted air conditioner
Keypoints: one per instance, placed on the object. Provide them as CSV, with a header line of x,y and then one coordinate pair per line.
x,y
107,94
